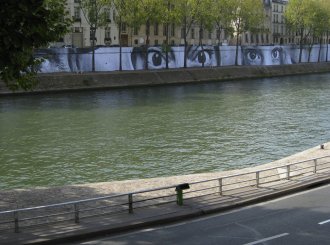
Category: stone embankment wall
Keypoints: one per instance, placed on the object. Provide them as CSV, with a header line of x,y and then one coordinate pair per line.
x,y
104,80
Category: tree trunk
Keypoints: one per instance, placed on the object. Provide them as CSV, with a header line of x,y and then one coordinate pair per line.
x,y
237,43
146,63
93,49
201,43
301,44
319,58
310,50
166,45
327,42
185,43
167,36
120,45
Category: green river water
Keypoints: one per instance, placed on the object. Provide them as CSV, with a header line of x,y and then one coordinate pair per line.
x,y
100,136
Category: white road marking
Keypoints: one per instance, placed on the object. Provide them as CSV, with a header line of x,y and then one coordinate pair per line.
x,y
209,216
267,239
324,222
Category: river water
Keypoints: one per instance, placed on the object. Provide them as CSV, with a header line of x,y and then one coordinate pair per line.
x,y
100,136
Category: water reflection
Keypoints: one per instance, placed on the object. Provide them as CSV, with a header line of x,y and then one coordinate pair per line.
x,y
98,136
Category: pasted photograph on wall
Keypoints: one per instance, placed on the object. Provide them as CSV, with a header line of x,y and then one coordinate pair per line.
x,y
155,57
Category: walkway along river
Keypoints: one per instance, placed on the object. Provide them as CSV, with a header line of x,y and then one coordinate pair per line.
x,y
98,136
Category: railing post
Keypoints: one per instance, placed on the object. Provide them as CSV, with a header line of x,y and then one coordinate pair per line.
x,y
16,228
315,166
130,203
257,178
76,213
179,192
220,186
288,172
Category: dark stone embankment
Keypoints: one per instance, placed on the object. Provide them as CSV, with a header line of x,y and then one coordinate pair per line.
x,y
105,80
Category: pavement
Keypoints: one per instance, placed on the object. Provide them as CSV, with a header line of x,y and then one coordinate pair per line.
x,y
193,207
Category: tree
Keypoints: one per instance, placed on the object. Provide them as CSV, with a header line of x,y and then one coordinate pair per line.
x,y
248,15
187,16
325,6
150,12
127,12
96,17
222,11
24,26
317,22
297,16
204,18
169,14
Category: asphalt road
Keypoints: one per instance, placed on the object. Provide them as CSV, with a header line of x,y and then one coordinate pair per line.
x,y
302,218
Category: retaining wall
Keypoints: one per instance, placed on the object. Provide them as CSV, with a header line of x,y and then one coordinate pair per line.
x,y
105,80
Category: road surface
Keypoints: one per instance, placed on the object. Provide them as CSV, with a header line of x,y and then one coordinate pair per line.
x,y
303,218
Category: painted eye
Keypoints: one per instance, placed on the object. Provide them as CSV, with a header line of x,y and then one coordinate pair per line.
x,y
157,59
253,57
276,53
203,57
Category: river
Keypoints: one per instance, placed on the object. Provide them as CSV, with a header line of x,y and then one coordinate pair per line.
x,y
100,136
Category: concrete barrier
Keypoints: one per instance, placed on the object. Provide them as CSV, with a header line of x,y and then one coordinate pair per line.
x,y
105,80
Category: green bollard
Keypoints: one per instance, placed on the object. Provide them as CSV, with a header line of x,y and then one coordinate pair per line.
x,y
179,193
179,197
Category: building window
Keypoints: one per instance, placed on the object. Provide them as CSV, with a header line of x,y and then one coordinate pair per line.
x,y
172,42
182,32
164,30
192,33
107,14
136,42
77,29
201,33
114,17
123,27
156,29
107,33
156,42
135,31
172,30
76,13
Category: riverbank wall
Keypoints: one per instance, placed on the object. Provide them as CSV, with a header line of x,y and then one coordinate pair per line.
x,y
55,82
24,198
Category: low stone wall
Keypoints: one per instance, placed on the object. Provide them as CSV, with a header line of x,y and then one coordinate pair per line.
x,y
23,198
104,80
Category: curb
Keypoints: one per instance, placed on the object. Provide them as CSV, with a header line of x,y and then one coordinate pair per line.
x,y
190,214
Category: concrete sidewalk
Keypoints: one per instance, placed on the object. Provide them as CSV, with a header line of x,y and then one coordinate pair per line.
x,y
65,232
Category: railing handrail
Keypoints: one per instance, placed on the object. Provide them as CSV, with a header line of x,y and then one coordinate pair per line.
x,y
254,171
150,190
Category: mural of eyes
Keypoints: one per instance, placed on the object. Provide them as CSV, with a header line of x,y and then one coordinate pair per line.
x,y
277,55
156,59
253,57
198,57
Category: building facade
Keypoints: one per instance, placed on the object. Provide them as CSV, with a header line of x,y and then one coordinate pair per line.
x,y
274,31
80,33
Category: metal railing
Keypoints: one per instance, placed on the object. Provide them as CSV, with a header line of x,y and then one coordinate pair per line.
x,y
74,211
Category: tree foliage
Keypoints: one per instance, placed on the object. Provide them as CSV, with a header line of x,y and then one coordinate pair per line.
x,y
96,16
222,12
24,26
150,12
247,15
187,16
